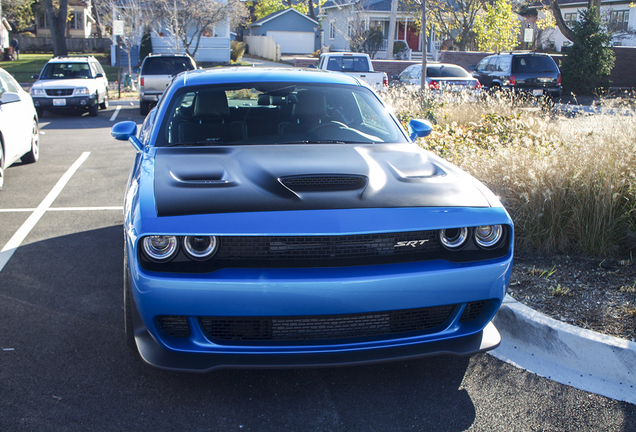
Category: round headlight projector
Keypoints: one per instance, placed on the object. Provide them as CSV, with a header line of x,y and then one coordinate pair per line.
x,y
200,247
488,236
160,248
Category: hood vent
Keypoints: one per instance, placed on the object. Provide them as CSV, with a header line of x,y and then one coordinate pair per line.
x,y
324,182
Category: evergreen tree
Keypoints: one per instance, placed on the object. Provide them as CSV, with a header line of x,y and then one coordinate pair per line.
x,y
589,60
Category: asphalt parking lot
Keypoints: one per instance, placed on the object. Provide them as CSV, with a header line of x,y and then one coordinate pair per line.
x,y
64,365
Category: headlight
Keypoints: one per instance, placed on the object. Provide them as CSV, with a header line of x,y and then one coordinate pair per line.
x,y
81,91
488,236
38,92
453,238
200,247
160,248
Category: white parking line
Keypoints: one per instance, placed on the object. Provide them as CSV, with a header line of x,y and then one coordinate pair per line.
x,y
114,116
28,210
7,251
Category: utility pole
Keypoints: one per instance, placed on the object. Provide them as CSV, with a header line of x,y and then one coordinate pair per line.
x,y
424,46
391,41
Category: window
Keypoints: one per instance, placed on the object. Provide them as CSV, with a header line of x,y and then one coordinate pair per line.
x,y
570,18
618,20
332,30
77,21
43,22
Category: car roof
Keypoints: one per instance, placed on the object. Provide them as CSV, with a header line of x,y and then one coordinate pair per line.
x,y
255,75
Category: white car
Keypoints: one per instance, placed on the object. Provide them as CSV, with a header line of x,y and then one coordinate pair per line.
x,y
71,84
18,125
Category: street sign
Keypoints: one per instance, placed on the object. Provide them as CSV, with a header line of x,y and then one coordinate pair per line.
x,y
528,35
118,27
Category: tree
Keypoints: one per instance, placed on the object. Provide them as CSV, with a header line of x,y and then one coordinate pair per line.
x,y
18,12
189,20
497,30
57,15
263,8
589,60
454,19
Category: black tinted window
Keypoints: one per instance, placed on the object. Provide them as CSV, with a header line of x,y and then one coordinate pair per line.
x,y
533,63
166,65
445,71
348,64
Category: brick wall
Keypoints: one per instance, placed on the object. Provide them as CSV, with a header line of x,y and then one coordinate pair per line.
x,y
623,74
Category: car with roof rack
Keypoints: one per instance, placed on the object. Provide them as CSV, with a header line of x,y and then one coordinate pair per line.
x,y
66,84
521,74
282,217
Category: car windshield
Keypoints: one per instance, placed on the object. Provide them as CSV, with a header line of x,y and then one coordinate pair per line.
x,y
446,71
166,65
276,113
533,64
66,71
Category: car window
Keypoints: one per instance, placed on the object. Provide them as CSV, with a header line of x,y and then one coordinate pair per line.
x,y
66,71
534,64
8,82
406,73
348,64
492,64
446,71
482,65
275,113
166,65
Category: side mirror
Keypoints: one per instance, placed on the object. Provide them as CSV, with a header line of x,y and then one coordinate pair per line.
x,y
127,131
473,67
419,128
394,77
311,66
36,76
8,97
99,75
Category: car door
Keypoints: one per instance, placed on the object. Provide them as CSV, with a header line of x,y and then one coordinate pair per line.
x,y
483,73
16,134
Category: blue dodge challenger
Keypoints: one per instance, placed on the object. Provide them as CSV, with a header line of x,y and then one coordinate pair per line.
x,y
284,218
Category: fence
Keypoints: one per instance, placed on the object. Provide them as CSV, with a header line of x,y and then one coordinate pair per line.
x,y
76,45
263,46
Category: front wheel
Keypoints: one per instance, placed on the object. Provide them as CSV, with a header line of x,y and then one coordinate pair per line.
x,y
144,108
104,104
92,110
34,154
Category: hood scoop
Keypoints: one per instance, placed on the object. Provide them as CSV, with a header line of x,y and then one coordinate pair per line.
x,y
324,182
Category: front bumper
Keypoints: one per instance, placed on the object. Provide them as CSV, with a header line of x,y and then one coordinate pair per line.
x,y
65,103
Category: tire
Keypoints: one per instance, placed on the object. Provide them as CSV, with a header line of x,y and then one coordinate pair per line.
x,y
34,154
92,110
104,104
144,108
129,331
1,166
40,112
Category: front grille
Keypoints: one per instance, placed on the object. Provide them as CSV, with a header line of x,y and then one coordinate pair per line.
x,y
59,92
308,328
324,183
327,247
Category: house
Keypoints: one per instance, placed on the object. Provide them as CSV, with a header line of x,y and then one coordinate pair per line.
x,y
295,32
81,22
620,15
341,18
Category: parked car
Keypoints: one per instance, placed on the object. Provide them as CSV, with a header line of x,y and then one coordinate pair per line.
x,y
71,84
283,217
528,74
19,137
356,64
439,76
155,74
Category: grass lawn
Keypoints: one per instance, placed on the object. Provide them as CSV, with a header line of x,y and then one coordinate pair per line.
x,y
31,64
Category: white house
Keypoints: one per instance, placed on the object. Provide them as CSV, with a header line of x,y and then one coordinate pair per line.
x,y
619,14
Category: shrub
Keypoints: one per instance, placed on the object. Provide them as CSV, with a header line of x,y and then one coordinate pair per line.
x,y
237,51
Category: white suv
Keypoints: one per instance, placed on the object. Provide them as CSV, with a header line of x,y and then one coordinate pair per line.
x,y
71,83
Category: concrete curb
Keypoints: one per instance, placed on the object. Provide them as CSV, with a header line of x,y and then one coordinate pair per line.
x,y
581,358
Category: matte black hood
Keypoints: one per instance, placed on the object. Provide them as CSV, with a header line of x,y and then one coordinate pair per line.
x,y
250,178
